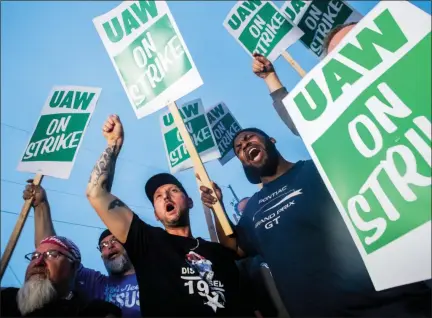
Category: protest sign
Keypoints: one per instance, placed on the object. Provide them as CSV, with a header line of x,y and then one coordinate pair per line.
x,y
148,54
364,115
57,137
196,122
224,127
259,27
317,18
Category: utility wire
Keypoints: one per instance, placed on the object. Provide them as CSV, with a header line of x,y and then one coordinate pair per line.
x,y
92,150
58,221
69,193
15,275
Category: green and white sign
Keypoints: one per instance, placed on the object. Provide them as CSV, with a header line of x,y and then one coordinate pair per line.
x,y
196,122
364,114
224,127
148,53
317,18
260,27
55,141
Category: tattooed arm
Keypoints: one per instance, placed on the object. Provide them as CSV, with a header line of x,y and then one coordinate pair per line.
x,y
114,213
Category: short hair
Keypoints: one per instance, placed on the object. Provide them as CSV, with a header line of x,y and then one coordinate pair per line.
x,y
332,33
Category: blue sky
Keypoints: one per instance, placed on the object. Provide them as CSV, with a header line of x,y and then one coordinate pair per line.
x,y
55,43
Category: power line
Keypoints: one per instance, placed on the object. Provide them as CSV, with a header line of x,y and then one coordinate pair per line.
x,y
92,150
15,275
58,221
69,193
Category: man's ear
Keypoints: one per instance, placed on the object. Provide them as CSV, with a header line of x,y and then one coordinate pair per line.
x,y
190,203
272,140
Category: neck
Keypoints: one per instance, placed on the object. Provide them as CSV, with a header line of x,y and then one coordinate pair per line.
x,y
184,231
283,167
63,291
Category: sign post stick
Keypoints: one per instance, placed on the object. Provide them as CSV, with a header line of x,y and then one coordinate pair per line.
x,y
293,63
17,230
209,219
198,165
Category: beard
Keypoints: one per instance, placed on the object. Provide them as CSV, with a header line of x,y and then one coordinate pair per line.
x,y
181,221
35,294
269,166
118,265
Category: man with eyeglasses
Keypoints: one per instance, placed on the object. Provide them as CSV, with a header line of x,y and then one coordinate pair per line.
x,y
49,286
119,287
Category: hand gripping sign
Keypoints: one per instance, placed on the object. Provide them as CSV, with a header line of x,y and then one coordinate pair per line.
x,y
54,144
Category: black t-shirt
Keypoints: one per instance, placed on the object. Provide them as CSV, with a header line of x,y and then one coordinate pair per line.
x,y
175,281
75,307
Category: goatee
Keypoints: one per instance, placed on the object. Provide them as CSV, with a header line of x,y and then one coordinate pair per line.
x,y
118,265
35,294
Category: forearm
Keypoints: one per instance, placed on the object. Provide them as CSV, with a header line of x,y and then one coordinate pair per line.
x,y
43,223
278,92
272,81
102,175
112,211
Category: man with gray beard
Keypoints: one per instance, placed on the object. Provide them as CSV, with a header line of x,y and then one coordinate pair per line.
x,y
119,287
48,289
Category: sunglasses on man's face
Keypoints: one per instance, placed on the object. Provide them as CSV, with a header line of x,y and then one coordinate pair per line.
x,y
106,244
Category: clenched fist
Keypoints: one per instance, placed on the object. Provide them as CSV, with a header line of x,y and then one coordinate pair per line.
x,y
113,131
261,66
36,192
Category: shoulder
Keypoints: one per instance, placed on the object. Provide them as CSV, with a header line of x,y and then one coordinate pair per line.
x,y
84,273
9,305
219,249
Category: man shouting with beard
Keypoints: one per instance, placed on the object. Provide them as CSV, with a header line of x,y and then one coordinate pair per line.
x,y
179,275
293,223
48,290
120,287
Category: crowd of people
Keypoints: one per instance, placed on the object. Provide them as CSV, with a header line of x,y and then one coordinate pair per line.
x,y
291,228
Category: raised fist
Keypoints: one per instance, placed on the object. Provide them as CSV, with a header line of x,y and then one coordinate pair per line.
x,y
261,66
113,131
36,192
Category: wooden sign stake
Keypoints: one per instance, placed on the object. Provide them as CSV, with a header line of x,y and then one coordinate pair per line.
x,y
198,165
294,64
17,230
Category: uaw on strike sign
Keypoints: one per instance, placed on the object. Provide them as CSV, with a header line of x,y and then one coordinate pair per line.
x,y
55,142
364,114
148,53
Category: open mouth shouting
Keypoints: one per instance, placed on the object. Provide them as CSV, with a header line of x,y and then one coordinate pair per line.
x,y
169,207
254,154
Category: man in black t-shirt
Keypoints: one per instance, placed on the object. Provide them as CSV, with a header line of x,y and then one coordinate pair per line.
x,y
48,287
178,274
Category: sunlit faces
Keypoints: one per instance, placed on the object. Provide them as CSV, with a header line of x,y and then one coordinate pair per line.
x,y
338,37
57,267
251,149
114,255
171,205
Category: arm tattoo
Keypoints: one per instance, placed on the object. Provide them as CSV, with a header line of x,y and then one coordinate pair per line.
x,y
102,174
116,203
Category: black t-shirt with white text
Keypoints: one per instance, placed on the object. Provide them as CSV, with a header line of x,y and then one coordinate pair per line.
x,y
177,279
